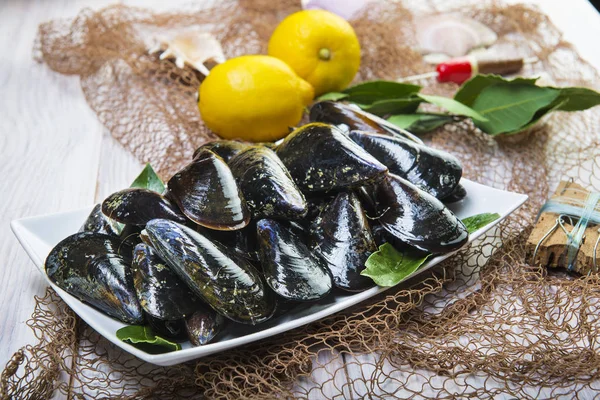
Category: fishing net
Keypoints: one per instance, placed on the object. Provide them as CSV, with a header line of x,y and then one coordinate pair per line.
x,y
484,324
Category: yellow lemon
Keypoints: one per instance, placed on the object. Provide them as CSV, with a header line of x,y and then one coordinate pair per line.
x,y
320,46
255,98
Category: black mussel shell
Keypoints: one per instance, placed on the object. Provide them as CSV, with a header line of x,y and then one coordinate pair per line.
x,y
342,237
203,325
137,206
160,292
349,118
95,268
458,194
366,195
100,223
206,192
289,267
321,158
435,171
316,203
381,236
242,241
225,281
173,330
267,185
225,149
417,218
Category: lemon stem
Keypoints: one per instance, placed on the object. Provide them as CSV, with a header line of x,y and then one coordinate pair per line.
x,y
325,54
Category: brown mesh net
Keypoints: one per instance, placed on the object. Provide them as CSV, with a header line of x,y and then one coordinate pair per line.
x,y
484,324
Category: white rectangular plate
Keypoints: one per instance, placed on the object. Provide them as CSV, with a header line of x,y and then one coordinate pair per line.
x,y
38,235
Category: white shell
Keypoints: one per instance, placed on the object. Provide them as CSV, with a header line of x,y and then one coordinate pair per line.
x,y
451,34
192,47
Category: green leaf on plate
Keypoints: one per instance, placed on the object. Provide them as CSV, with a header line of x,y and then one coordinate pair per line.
x,y
369,92
144,339
478,221
393,106
454,107
470,90
148,179
510,107
333,96
387,266
420,122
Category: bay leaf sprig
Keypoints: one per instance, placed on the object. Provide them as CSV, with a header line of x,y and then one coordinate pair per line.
x,y
388,266
497,106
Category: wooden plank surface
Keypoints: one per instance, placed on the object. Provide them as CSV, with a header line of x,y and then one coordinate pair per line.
x,y
56,156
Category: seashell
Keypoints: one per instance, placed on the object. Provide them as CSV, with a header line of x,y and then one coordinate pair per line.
x,y
341,236
192,47
451,34
417,218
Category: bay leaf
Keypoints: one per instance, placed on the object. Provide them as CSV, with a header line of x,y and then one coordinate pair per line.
x,y
576,99
333,96
420,122
478,221
509,108
454,107
393,106
470,90
148,179
372,91
388,267
144,338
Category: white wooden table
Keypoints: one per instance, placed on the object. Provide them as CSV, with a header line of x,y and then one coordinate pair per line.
x,y
56,156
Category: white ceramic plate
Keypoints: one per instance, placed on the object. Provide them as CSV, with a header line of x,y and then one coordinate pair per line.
x,y
38,235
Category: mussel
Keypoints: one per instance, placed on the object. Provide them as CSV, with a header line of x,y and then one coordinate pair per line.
x,y
225,281
137,206
95,268
267,185
417,218
225,149
457,194
348,118
160,292
100,223
206,192
203,325
435,171
321,158
242,241
173,329
342,237
289,267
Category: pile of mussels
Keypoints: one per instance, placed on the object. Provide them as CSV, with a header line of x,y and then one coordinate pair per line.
x,y
246,230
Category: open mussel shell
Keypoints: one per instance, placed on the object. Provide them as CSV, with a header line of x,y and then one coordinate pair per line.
x,y
160,292
348,118
203,326
95,268
225,149
226,282
417,218
267,185
321,158
137,206
206,192
435,171
289,267
342,237
457,194
100,223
